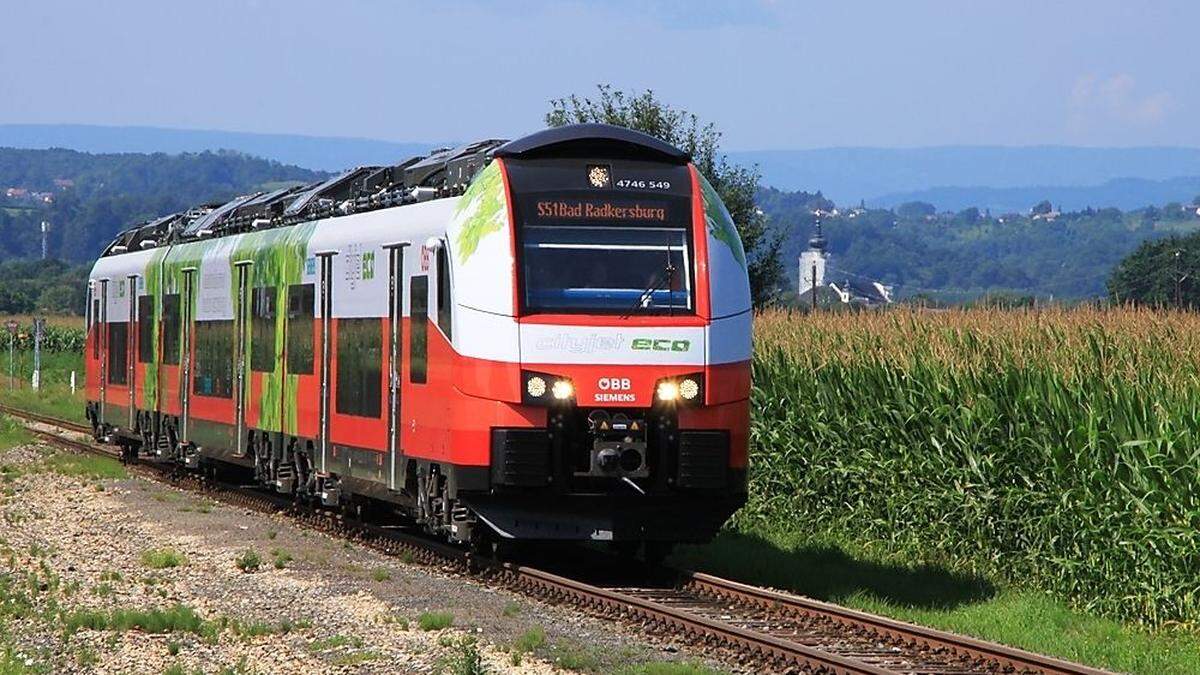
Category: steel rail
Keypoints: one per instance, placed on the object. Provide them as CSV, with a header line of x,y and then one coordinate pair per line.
x,y
776,652
1011,657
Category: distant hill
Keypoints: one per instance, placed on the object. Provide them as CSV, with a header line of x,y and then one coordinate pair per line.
x,y
313,152
951,174
1121,193
847,175
88,198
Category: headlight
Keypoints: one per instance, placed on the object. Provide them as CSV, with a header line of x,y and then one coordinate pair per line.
x,y
667,391
689,388
545,388
535,387
563,389
683,390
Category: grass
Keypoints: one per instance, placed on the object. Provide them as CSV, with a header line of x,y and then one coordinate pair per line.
x,y
280,558
248,561
847,573
12,433
511,609
162,558
381,574
435,620
531,639
92,467
334,642
54,397
572,656
179,618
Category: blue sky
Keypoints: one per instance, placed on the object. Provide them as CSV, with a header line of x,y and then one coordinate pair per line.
x,y
771,74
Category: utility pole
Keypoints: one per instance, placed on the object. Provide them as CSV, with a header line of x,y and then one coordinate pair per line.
x,y
45,229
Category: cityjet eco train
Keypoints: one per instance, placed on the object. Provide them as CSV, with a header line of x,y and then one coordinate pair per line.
x,y
540,339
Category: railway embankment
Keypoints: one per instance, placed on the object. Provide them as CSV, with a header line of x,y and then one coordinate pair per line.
x,y
102,571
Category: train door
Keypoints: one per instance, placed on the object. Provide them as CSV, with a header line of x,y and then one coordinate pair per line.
x,y
102,339
325,295
240,331
185,358
131,347
395,372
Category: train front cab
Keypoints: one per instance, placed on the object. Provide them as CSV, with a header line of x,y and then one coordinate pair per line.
x,y
633,319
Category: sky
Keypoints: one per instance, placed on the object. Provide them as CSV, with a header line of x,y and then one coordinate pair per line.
x,y
770,74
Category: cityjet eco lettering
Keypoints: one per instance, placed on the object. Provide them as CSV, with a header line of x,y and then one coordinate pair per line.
x,y
580,344
600,211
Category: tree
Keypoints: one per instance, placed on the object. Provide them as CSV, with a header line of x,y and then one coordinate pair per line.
x,y
915,210
1041,208
1162,273
737,185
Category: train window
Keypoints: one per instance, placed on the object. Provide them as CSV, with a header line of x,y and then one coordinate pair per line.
x,y
262,329
118,352
213,374
145,322
606,269
418,337
359,366
170,328
443,291
96,326
301,300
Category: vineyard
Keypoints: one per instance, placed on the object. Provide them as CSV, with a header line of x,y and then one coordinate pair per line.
x,y
1057,450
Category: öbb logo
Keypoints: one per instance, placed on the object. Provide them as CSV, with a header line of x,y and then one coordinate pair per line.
x,y
664,345
614,384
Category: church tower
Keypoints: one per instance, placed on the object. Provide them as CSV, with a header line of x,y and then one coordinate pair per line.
x,y
812,262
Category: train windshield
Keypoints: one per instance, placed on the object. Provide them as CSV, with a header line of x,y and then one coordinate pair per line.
x,y
606,269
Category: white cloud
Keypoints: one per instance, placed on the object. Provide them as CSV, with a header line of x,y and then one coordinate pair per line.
x,y
1103,101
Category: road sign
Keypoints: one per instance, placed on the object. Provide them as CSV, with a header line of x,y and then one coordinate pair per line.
x,y
12,326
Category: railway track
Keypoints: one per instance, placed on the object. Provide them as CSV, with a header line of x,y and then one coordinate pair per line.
x,y
754,628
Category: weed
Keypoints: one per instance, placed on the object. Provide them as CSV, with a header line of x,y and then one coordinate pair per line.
x,y
94,467
248,561
531,639
162,558
179,618
511,609
381,574
335,641
280,558
464,658
435,620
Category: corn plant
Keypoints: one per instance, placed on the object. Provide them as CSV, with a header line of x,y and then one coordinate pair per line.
x,y
1058,449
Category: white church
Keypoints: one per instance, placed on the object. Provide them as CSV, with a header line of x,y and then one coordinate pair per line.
x,y
814,264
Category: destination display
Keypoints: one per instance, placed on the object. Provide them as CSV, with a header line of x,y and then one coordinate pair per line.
x,y
601,209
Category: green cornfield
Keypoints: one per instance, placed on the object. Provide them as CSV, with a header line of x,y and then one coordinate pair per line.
x,y
1057,450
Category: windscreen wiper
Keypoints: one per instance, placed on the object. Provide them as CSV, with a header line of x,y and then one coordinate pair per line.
x,y
666,275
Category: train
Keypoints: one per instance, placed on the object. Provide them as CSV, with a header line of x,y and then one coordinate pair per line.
x,y
544,339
